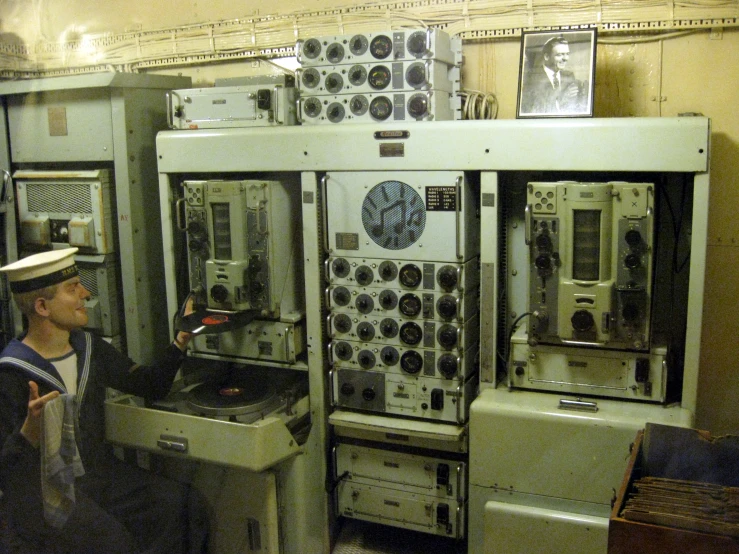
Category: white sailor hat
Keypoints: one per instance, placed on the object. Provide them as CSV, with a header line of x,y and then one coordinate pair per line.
x,y
41,270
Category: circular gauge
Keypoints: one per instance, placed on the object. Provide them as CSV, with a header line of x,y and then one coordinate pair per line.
x,y
343,350
311,78
410,305
364,303
393,215
359,105
366,359
389,356
340,267
389,328
379,77
388,300
341,296
381,108
418,106
335,112
388,270
411,362
381,47
364,275
334,83
358,45
312,107
410,276
335,52
416,44
411,333
415,75
311,48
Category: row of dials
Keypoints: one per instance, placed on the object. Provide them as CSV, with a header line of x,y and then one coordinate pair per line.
x,y
408,275
370,107
377,47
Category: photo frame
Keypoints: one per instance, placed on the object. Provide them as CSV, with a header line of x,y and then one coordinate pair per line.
x,y
557,73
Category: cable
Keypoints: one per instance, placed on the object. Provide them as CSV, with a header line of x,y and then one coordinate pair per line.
x,y
478,105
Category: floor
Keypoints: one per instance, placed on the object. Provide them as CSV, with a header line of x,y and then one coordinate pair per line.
x,y
362,537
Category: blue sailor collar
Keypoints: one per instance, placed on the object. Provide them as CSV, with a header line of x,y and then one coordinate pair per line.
x,y
38,368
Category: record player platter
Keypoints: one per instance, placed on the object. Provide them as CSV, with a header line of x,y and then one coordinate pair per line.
x,y
233,397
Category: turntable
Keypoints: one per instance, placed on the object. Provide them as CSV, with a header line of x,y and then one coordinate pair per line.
x,y
244,416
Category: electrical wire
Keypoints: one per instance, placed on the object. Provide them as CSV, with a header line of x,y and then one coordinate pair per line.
x,y
478,105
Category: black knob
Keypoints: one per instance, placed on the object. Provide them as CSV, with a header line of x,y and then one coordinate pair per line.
x,y
410,276
411,362
447,336
418,106
388,328
369,394
389,355
347,389
343,351
388,271
341,296
416,75
543,242
340,267
410,305
366,359
196,245
364,275
364,303
447,307
219,293
582,320
195,228
388,299
543,262
633,238
365,331
448,366
632,261
411,333
342,323
447,277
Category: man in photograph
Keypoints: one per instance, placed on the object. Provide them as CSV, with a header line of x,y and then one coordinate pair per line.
x,y
550,88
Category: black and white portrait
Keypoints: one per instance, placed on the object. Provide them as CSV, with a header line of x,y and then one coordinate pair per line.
x,y
557,74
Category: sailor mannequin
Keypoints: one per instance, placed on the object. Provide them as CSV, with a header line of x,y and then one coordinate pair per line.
x,y
117,507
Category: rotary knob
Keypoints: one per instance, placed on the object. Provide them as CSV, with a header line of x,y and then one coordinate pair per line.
x,y
342,323
388,271
582,320
543,242
343,351
366,359
411,333
340,267
448,366
364,303
364,275
365,331
369,394
219,293
411,362
388,328
341,296
633,238
632,261
447,307
388,299
447,336
389,356
347,389
447,277
543,262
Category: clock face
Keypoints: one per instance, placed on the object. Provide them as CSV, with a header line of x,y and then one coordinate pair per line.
x,y
393,215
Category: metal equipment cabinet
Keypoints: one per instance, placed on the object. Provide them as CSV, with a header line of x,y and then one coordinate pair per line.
x,y
103,121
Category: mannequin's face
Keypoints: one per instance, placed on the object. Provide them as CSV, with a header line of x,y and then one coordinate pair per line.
x,y
67,309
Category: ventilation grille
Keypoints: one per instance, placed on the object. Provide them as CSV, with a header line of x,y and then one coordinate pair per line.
x,y
88,278
59,197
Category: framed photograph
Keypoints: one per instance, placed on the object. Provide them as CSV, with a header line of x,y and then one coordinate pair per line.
x,y
557,74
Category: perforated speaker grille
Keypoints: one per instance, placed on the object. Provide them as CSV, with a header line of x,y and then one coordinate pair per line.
x,y
88,278
59,197
393,215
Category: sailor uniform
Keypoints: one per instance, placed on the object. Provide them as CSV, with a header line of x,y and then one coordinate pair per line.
x,y
119,508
